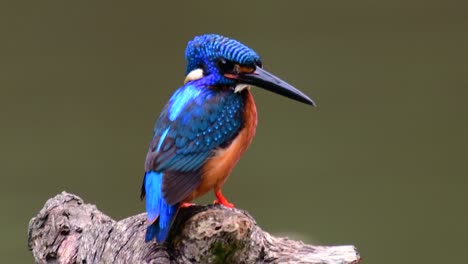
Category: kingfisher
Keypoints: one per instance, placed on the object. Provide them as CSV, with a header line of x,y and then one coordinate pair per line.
x,y
205,127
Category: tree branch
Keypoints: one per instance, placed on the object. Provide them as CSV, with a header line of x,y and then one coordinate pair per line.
x,y
67,230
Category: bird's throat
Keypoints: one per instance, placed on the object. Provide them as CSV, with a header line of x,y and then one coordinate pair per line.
x,y
240,87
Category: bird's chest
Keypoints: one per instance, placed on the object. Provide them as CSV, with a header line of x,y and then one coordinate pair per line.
x,y
219,166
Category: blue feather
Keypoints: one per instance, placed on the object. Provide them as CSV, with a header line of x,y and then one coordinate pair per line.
x,y
180,100
161,139
157,206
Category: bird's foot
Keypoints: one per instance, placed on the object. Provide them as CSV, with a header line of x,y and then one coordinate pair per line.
x,y
222,200
225,203
185,205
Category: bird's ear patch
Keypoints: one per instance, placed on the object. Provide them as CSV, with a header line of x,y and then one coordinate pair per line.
x,y
194,75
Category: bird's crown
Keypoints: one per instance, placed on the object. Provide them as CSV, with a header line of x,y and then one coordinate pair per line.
x,y
212,48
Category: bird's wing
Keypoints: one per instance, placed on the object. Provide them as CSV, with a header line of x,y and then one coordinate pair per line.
x,y
190,128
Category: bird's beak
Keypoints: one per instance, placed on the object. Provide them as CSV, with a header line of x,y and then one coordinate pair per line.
x,y
268,81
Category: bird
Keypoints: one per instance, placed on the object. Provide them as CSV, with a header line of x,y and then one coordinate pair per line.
x,y
204,128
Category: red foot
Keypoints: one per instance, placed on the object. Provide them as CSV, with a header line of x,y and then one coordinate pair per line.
x,y
185,205
222,200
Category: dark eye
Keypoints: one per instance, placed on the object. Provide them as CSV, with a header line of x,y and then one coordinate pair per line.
x,y
225,65
258,63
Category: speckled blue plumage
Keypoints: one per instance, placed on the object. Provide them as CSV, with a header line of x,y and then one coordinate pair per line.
x,y
196,120
210,47
203,51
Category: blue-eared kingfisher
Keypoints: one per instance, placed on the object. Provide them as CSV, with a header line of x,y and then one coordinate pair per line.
x,y
205,127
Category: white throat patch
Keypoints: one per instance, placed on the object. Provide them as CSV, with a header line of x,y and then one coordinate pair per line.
x,y
194,75
240,87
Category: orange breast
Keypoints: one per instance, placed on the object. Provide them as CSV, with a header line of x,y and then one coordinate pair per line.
x,y
217,168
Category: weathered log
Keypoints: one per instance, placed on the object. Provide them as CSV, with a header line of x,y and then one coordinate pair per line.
x,y
67,230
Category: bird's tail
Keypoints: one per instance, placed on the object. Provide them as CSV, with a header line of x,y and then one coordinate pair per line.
x,y
160,214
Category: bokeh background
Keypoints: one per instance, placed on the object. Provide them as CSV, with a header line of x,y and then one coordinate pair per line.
x,y
381,163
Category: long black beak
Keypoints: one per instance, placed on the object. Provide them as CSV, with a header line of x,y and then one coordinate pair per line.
x,y
268,81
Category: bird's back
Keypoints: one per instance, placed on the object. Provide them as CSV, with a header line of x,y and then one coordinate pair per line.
x,y
195,122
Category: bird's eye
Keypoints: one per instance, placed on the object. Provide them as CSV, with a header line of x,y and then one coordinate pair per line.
x,y
259,63
226,66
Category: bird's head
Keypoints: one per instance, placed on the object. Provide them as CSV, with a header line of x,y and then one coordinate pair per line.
x,y
222,61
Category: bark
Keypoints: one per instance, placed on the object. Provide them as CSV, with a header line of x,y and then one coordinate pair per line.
x,y
67,230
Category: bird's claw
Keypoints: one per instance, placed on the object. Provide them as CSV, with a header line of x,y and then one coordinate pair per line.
x,y
225,203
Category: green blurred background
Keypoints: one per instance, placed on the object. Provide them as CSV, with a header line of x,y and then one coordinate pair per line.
x,y
380,164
